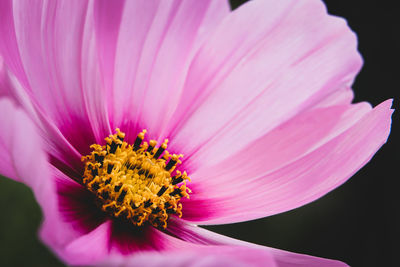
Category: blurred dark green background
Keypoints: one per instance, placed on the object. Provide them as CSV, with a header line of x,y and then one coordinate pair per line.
x,y
357,223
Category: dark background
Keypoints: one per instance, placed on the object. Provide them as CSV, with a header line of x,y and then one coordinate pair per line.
x,y
357,223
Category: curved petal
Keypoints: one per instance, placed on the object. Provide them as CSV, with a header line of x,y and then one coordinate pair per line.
x,y
19,144
88,237
281,258
113,240
110,241
53,57
152,248
57,231
8,43
89,248
77,206
204,256
341,96
23,159
62,153
243,83
289,167
155,44
81,233
11,88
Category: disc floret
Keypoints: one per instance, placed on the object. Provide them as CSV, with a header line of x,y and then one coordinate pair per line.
x,y
136,182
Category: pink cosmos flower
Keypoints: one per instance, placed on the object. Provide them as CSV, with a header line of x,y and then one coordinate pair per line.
x,y
258,101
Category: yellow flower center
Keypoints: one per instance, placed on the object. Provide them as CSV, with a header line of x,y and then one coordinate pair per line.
x,y
134,182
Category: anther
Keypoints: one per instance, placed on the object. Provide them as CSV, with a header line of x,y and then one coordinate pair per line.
x,y
156,210
152,144
122,196
177,179
95,172
113,147
170,211
162,191
147,204
109,168
130,166
176,191
172,162
99,158
120,135
139,140
166,155
161,149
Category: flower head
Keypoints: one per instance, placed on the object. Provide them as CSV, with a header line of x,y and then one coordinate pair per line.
x,y
259,117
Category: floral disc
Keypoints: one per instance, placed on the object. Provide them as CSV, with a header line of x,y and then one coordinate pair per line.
x,y
134,182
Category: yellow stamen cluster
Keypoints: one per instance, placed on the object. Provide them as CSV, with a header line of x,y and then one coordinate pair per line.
x,y
134,182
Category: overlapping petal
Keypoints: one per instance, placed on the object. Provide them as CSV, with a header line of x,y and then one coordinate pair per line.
x,y
154,47
95,239
280,258
291,166
62,153
53,57
17,150
82,70
24,160
242,83
209,256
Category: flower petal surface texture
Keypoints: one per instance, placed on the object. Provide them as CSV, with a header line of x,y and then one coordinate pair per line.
x,y
263,115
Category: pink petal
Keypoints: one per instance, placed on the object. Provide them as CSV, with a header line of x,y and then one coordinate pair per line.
x,y
8,43
58,70
246,80
12,89
55,231
98,247
339,97
24,159
156,42
75,220
88,238
77,206
289,167
200,257
89,248
20,143
107,19
113,243
63,154
81,233
116,240
280,258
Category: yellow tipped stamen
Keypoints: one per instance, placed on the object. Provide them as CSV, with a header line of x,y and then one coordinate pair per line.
x,y
133,182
